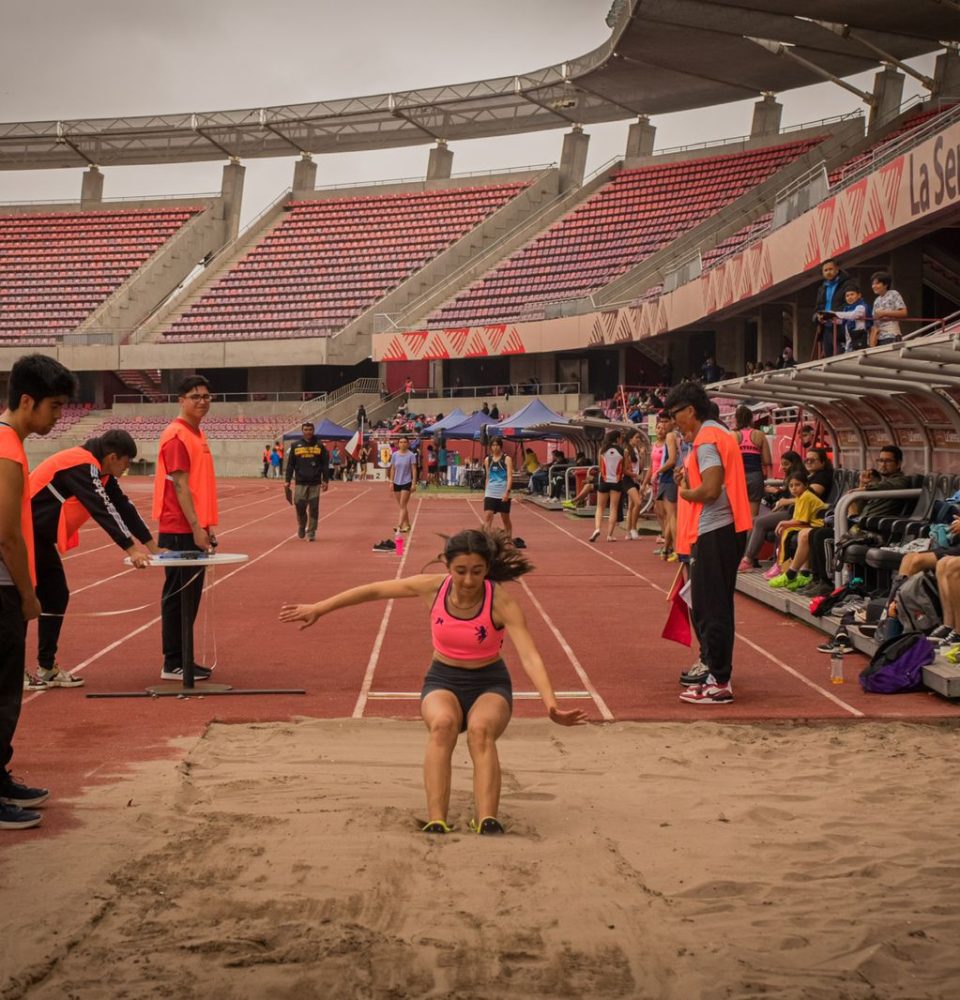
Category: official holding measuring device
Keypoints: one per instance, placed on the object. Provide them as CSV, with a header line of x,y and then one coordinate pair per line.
x,y
185,505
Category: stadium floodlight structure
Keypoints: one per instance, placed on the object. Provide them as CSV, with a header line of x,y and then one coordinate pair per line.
x,y
662,56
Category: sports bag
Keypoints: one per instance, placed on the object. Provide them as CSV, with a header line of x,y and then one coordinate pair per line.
x,y
918,603
898,664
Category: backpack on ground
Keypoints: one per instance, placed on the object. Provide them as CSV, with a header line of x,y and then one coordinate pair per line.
x,y
918,603
898,664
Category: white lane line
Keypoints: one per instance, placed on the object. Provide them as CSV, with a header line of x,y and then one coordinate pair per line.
x,y
119,642
109,545
602,707
220,534
829,695
367,682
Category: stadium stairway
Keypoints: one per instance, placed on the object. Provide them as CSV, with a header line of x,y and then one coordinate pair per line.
x,y
151,284
142,383
196,283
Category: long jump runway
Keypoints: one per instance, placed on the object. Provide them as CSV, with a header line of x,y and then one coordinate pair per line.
x,y
595,611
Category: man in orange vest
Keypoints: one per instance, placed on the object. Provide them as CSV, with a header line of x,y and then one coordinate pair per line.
x,y
39,388
66,490
713,518
185,505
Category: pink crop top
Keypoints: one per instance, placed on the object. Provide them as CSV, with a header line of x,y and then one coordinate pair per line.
x,y
474,638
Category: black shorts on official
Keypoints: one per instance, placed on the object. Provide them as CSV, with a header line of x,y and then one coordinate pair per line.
x,y
496,505
402,487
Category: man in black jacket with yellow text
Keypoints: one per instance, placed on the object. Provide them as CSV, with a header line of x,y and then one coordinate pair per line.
x,y
308,467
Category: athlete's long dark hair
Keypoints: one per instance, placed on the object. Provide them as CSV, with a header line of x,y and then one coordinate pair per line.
x,y
504,560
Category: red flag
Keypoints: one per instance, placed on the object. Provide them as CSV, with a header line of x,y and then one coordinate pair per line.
x,y
353,445
677,626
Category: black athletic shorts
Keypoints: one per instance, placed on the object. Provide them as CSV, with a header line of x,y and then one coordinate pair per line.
x,y
468,684
667,490
496,505
605,487
402,487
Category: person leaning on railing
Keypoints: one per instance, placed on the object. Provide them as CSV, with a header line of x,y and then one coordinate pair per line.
x,y
888,307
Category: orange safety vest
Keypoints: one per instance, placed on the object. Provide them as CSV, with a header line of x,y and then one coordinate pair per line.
x,y
73,515
734,479
11,447
201,478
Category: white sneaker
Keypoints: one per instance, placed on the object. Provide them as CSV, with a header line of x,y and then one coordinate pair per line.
x,y
57,678
633,534
594,536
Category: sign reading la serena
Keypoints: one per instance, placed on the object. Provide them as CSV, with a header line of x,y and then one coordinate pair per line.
x,y
934,178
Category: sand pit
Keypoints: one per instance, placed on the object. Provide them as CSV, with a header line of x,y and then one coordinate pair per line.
x,y
642,860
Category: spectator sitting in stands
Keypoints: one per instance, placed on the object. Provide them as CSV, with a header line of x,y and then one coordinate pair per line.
x,y
530,462
781,502
485,409
807,513
589,487
786,359
888,307
581,460
889,477
494,412
540,478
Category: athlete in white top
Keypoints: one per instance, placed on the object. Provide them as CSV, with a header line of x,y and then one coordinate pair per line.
x,y
608,484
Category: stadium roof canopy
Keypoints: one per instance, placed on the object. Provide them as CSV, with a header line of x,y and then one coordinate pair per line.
x,y
662,56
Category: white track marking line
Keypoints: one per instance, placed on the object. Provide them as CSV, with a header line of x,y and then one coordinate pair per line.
x,y
108,545
602,707
215,583
829,695
219,534
367,682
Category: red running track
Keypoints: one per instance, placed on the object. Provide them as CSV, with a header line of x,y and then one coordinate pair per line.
x,y
596,612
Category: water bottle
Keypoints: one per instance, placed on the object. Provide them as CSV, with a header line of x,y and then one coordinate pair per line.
x,y
836,667
398,542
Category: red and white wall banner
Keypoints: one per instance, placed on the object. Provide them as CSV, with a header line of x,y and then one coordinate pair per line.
x,y
917,184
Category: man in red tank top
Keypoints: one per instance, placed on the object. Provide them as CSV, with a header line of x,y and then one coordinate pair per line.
x,y
39,389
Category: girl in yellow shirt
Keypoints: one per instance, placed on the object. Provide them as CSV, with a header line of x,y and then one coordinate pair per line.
x,y
807,513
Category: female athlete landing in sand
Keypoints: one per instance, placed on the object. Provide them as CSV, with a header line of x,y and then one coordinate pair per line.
x,y
467,686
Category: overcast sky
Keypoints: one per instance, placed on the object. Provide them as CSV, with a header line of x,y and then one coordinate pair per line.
x,y
62,59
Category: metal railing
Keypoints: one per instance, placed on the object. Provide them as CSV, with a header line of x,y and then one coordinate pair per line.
x,y
206,195
367,386
505,390
227,397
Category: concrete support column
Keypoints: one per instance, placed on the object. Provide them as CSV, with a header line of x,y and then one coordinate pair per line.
x,y
231,190
767,113
730,350
573,158
769,333
439,162
640,138
304,175
436,375
91,187
906,269
946,74
887,96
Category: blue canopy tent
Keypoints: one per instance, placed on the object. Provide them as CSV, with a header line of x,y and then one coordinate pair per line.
x,y
530,415
470,428
326,430
450,420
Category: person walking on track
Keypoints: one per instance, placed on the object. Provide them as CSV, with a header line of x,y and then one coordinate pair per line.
x,y
403,477
66,490
185,505
498,470
467,687
308,467
38,389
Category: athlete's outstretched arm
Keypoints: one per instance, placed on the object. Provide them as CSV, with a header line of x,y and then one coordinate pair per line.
x,y
422,585
510,613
